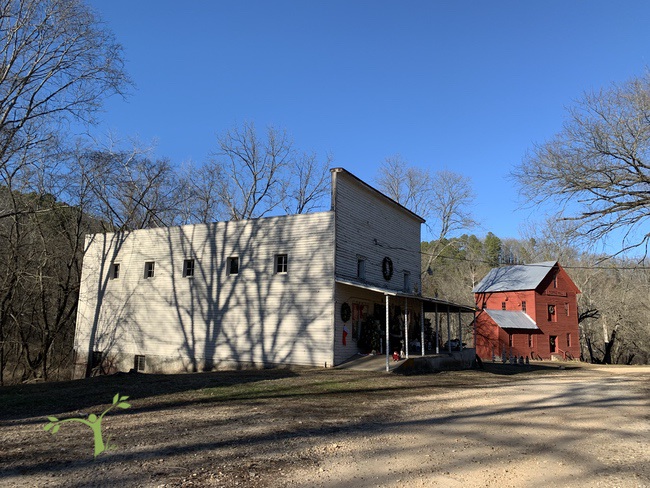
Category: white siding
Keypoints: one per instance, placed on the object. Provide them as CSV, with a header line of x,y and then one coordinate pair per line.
x,y
213,319
371,226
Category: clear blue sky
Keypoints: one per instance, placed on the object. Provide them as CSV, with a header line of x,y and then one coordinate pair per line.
x,y
462,85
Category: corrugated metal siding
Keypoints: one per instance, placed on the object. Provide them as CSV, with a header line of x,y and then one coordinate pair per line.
x,y
256,316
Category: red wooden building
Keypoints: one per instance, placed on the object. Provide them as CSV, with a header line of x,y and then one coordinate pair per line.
x,y
527,310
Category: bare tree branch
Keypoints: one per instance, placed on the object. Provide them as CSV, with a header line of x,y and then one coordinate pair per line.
x,y
597,167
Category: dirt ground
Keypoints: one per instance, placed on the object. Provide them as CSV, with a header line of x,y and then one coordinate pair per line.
x,y
546,426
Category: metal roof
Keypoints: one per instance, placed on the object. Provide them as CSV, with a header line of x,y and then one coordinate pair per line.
x,y
512,319
515,278
430,304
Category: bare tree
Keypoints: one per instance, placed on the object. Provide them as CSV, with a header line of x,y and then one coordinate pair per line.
x,y
407,185
127,190
308,184
598,166
251,176
57,64
442,198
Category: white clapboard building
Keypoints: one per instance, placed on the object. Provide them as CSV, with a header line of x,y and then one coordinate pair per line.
x,y
286,290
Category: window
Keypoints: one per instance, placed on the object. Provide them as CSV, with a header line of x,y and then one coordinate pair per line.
x,y
281,263
551,313
530,340
361,268
552,341
568,340
149,268
566,309
503,305
510,340
188,268
97,359
523,305
555,281
233,265
407,281
115,271
139,363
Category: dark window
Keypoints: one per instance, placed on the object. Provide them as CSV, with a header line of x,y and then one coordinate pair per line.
x,y
149,268
281,263
566,309
552,317
361,268
552,342
523,306
503,305
568,340
530,340
233,265
407,281
188,268
97,359
139,363
510,340
115,271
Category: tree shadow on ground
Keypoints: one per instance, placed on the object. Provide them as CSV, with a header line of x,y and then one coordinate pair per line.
x,y
42,399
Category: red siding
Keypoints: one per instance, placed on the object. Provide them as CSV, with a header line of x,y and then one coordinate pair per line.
x,y
561,293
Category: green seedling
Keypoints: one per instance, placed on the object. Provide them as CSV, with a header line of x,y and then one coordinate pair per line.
x,y
93,421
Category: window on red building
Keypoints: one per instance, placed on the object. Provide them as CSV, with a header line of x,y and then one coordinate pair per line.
x,y
568,340
523,305
530,340
552,316
503,305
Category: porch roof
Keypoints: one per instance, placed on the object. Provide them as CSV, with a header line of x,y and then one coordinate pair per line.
x,y
512,319
430,304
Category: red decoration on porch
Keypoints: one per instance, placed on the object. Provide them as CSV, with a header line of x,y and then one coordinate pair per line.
x,y
345,335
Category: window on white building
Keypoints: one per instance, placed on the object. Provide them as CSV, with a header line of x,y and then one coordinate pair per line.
x,y
361,268
233,265
149,269
281,263
188,268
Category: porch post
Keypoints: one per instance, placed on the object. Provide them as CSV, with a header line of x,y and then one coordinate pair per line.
x,y
387,336
406,326
422,327
437,331
448,331
460,331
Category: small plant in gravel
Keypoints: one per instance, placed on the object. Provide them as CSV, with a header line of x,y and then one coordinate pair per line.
x,y
93,421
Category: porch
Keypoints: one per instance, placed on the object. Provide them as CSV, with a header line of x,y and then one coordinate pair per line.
x,y
446,361
403,332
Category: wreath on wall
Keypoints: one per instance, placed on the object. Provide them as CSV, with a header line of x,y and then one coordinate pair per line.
x,y
387,268
346,312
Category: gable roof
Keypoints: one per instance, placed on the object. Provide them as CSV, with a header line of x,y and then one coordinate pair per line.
x,y
512,319
372,189
515,278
